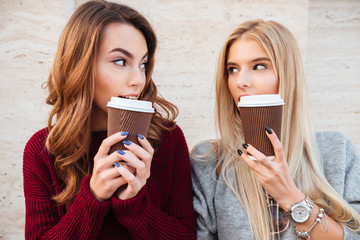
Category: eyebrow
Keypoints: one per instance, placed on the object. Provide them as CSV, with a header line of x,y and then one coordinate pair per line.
x,y
127,53
252,61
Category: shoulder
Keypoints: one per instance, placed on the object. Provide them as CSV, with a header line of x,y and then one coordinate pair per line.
x,y
175,133
204,147
203,158
173,139
173,145
339,157
332,142
37,141
39,175
330,137
35,148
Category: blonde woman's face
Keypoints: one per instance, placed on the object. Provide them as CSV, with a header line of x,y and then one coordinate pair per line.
x,y
250,70
120,65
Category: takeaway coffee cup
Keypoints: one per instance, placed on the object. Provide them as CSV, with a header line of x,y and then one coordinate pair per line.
x,y
256,112
129,115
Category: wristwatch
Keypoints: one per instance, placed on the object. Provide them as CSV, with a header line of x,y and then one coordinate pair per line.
x,y
301,211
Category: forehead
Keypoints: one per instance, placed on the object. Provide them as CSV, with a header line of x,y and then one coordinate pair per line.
x,y
246,48
122,35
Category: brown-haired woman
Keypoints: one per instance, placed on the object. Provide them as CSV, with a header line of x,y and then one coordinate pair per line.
x,y
73,188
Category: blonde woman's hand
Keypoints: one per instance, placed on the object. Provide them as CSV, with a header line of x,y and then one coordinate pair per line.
x,y
106,179
140,158
274,174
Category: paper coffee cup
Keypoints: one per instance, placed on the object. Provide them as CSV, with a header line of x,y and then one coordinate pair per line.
x,y
129,115
256,112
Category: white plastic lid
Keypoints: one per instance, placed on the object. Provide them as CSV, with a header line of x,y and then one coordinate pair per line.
x,y
261,100
131,105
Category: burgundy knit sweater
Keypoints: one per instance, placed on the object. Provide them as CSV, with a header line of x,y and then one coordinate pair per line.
x,y
162,209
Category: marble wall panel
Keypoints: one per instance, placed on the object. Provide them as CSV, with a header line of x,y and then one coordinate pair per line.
x,y
333,66
29,32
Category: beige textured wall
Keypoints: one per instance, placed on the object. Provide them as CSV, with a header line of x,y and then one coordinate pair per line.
x,y
190,34
29,31
333,66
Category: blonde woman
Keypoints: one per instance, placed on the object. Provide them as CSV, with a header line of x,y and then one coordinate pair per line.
x,y
309,190
73,188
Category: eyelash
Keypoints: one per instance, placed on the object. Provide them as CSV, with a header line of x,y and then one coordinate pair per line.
x,y
263,65
260,64
144,64
120,60
231,70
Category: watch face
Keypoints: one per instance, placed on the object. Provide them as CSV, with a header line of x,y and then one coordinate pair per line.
x,y
300,214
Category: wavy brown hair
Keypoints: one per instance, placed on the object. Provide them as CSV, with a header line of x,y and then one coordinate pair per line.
x,y
71,90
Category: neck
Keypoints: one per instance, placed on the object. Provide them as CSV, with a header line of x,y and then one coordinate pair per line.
x,y
98,119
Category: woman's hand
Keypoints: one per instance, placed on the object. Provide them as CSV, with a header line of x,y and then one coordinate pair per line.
x,y
106,179
274,175
140,158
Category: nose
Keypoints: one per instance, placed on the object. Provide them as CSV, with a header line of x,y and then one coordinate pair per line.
x,y
244,79
136,77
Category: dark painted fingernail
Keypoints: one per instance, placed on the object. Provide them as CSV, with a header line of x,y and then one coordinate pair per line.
x,y
124,133
120,152
239,152
126,142
140,136
268,130
245,145
116,164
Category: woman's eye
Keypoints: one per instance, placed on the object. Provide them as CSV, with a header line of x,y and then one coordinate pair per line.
x,y
259,66
120,62
232,70
143,65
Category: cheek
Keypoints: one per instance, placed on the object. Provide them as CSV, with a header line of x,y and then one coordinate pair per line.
x,y
102,90
230,84
275,85
232,88
143,83
269,85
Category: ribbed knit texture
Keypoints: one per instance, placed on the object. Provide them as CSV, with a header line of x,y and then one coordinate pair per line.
x,y
162,209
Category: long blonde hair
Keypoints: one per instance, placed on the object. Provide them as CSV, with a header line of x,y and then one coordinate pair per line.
x,y
297,135
71,90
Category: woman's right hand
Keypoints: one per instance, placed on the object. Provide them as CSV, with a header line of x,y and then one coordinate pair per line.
x,y
106,179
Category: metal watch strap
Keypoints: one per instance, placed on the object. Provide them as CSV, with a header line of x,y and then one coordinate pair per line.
x,y
308,201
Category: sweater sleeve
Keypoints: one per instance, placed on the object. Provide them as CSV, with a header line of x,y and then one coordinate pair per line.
x,y
44,219
204,186
352,179
341,164
144,220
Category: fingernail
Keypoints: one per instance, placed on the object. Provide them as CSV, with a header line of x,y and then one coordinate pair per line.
x,y
268,130
120,152
116,164
124,133
140,136
245,145
239,152
126,142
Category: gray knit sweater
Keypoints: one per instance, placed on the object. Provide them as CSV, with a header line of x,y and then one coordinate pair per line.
x,y
221,216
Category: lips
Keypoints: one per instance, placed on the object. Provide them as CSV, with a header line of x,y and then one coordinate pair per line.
x,y
129,97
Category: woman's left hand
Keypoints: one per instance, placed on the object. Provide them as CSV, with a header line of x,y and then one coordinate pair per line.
x,y
140,158
274,175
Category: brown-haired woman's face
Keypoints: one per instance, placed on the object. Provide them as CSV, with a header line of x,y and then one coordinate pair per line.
x,y
250,70
120,65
